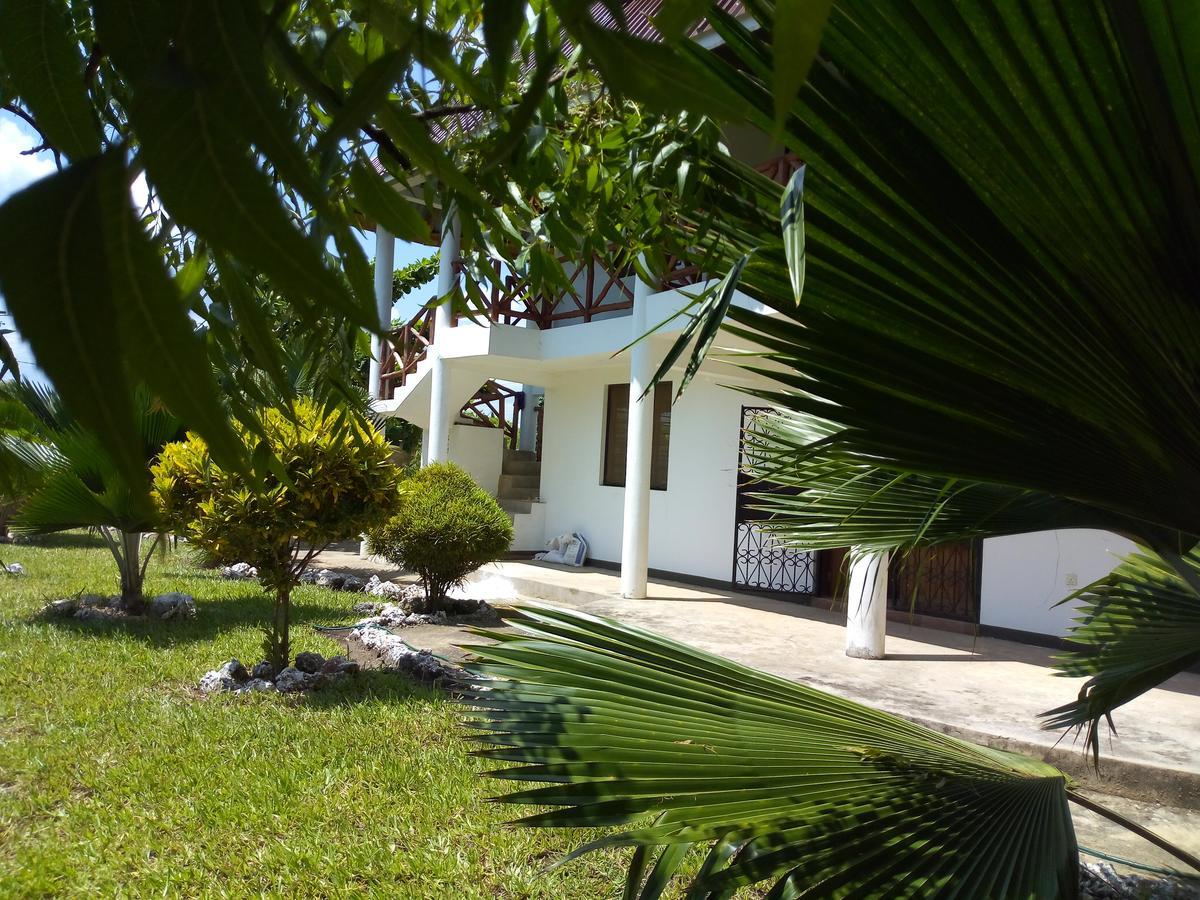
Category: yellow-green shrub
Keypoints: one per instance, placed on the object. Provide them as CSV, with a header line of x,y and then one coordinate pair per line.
x,y
340,483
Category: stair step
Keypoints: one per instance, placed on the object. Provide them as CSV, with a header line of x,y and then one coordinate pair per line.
x,y
516,485
513,492
513,506
524,455
522,467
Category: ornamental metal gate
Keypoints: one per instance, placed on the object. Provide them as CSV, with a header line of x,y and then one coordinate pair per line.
x,y
760,561
942,581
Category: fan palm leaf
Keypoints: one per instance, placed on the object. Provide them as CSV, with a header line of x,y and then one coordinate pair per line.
x,y
785,784
998,329
1139,626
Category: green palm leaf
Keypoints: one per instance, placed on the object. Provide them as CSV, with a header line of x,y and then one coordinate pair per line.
x,y
679,749
998,330
1138,626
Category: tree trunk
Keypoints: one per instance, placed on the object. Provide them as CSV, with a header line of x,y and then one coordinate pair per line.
x,y
279,647
131,571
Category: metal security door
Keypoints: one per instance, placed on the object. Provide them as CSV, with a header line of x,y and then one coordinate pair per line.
x,y
760,561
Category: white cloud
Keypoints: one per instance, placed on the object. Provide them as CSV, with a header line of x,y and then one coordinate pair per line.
x,y
17,171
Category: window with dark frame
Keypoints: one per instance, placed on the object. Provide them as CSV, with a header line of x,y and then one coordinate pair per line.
x,y
616,435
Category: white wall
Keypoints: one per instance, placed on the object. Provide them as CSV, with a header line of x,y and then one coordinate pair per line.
x,y
1024,575
480,451
691,523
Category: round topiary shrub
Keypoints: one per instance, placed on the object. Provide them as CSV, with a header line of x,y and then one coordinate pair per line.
x,y
447,526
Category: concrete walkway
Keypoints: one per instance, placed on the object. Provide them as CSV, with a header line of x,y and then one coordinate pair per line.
x,y
982,689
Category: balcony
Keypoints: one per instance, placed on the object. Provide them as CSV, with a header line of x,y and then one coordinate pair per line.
x,y
592,293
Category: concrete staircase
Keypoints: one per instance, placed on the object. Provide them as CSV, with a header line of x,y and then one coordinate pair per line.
x,y
520,481
519,490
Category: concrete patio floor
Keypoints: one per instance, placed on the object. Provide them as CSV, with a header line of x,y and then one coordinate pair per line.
x,y
982,689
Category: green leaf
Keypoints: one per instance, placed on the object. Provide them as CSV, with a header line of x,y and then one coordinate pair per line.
x,y
502,21
1139,626
226,39
371,89
43,62
383,203
160,345
795,40
54,274
792,218
662,78
8,359
704,327
200,163
675,17
676,747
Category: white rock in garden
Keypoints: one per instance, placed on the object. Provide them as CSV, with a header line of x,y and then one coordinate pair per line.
x,y
292,679
239,571
352,583
64,607
15,569
255,685
330,579
216,681
396,654
173,606
90,600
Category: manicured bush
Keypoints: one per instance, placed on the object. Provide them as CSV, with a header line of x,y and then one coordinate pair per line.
x,y
447,526
339,483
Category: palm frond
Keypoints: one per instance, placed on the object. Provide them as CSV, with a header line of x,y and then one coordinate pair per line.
x,y
813,793
1139,626
821,494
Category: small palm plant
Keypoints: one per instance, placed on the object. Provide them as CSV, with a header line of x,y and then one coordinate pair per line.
x,y
79,486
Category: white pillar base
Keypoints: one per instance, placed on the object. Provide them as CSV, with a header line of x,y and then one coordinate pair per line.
x,y
866,607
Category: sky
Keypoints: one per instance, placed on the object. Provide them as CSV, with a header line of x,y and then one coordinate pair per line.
x,y
18,171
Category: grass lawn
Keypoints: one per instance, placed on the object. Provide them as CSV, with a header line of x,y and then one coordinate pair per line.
x,y
118,779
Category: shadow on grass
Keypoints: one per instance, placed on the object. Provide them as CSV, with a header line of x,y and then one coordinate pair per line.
x,y
374,686
63,540
213,616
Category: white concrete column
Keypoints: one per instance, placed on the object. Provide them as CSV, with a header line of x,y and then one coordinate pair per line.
x,y
385,257
866,605
635,536
441,412
527,436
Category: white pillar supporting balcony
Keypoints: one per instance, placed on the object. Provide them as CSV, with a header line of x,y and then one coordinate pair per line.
x,y
635,537
385,257
527,435
441,403
866,605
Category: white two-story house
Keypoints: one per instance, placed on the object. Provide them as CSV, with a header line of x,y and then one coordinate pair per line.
x,y
535,399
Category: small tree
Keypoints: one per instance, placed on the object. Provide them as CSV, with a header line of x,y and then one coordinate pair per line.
x,y
73,482
447,526
332,480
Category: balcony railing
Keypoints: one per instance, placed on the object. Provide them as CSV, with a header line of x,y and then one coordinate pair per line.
x,y
496,406
590,291
403,350
508,299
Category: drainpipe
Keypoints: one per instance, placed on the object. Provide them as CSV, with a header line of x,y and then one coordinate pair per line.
x,y
441,412
635,537
385,256
866,605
